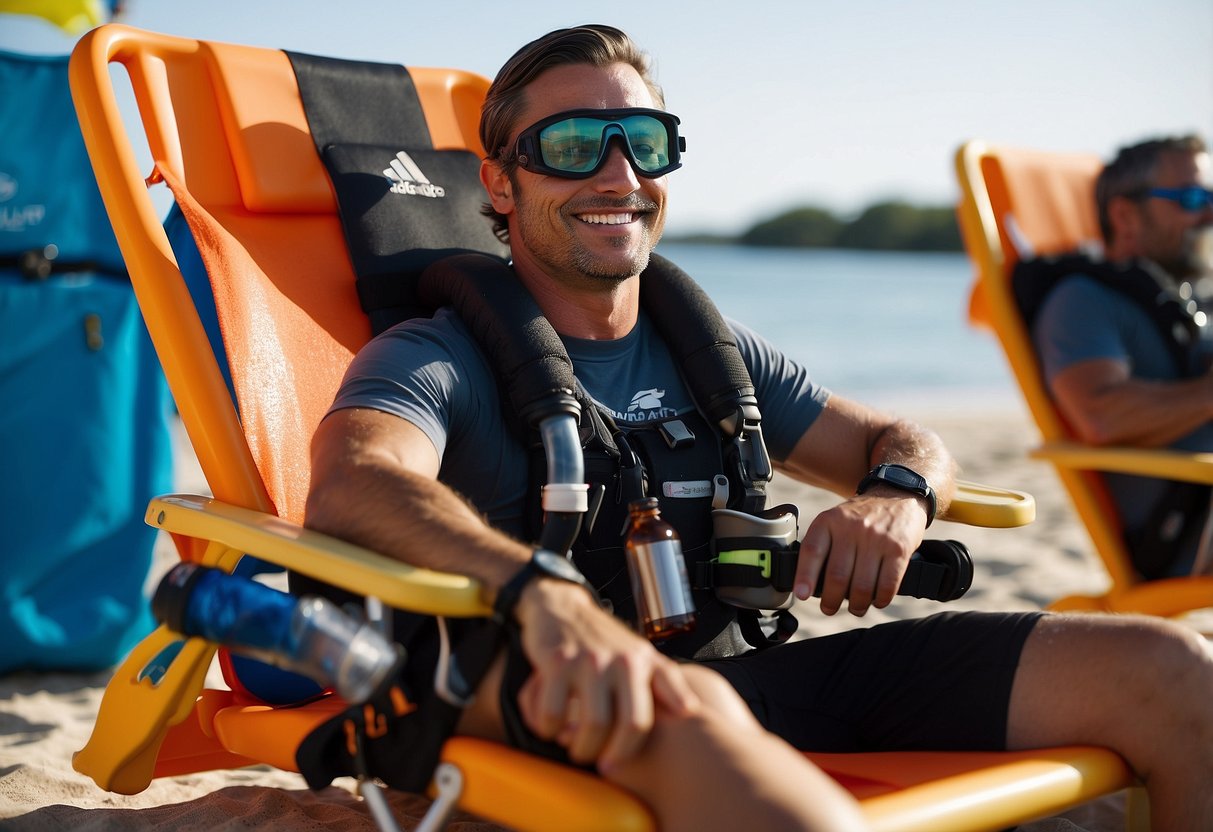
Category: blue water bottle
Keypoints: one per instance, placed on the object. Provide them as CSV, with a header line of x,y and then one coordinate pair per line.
x,y
309,635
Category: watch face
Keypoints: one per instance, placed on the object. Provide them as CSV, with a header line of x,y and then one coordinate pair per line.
x,y
904,478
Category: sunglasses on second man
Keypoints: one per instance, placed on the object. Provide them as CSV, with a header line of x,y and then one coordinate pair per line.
x,y
1192,199
575,144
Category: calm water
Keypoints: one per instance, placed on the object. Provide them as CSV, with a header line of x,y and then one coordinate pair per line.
x,y
883,327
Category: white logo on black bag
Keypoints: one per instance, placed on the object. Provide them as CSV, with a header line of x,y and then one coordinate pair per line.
x,y
407,178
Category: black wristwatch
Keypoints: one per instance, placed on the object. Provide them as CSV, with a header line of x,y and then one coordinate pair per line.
x,y
906,479
542,563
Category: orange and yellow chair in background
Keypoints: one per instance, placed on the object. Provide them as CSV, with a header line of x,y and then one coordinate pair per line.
x,y
1018,203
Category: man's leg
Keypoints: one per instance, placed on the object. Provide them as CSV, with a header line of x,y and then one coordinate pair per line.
x,y
718,769
1141,686
722,770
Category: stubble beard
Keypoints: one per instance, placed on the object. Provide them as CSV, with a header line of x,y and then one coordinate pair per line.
x,y
1190,261
1191,258
573,258
1197,252
595,268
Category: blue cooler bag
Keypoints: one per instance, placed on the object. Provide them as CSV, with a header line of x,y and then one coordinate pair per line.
x,y
84,439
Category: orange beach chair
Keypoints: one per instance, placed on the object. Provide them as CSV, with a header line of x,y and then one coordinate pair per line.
x,y
227,133
1017,203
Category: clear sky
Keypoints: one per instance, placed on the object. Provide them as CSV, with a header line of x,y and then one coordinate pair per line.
x,y
790,102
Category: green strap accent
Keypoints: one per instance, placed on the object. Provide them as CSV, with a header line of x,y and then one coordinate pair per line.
x,y
749,557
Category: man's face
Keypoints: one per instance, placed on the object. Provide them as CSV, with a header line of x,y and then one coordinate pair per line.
x,y
1170,236
591,231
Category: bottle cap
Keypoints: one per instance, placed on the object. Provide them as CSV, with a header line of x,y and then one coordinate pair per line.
x,y
173,594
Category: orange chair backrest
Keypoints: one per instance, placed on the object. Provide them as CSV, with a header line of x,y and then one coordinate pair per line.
x,y
1019,203
227,131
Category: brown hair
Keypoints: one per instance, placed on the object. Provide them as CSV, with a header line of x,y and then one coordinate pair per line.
x,y
595,44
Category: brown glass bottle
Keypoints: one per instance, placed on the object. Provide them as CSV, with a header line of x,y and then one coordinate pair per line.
x,y
658,571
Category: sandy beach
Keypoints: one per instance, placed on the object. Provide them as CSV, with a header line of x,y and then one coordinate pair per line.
x,y
44,718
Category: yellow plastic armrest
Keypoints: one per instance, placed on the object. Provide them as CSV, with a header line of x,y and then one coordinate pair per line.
x,y
334,561
1164,463
975,504
990,797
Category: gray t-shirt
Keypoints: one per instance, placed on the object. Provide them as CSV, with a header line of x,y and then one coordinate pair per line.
x,y
1082,320
432,373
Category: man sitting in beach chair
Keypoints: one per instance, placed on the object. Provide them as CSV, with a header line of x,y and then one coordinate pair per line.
x,y
417,459
1124,344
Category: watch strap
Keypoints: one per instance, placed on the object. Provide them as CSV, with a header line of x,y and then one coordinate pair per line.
x,y
880,475
509,594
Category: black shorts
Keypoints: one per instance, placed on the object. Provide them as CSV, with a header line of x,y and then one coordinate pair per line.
x,y
936,683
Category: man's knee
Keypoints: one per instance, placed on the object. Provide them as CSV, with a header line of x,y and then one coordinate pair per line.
x,y
1172,650
1160,642
1133,651
1103,679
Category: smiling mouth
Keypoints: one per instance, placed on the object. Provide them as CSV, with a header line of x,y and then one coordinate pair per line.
x,y
606,219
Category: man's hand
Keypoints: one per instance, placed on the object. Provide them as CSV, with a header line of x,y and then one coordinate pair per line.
x,y
596,686
864,546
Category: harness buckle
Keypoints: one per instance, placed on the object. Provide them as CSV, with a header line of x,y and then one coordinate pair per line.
x,y
746,454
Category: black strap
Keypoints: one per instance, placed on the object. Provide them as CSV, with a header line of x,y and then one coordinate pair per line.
x,y
527,355
389,737
692,327
782,572
784,626
362,101
403,205
694,330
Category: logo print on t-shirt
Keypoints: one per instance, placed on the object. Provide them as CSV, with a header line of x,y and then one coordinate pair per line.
x,y
646,399
645,406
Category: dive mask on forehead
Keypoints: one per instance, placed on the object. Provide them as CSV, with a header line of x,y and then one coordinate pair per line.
x,y
575,144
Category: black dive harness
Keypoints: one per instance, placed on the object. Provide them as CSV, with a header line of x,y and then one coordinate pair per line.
x,y
721,445
1179,320
1172,309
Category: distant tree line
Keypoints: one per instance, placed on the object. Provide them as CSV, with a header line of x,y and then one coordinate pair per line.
x,y
885,226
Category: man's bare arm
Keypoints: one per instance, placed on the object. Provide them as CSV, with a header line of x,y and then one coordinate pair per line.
x,y
373,483
865,542
1108,406
596,685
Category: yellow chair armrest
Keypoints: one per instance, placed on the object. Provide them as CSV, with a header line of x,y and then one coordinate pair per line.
x,y
975,504
1163,463
1024,786
325,558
